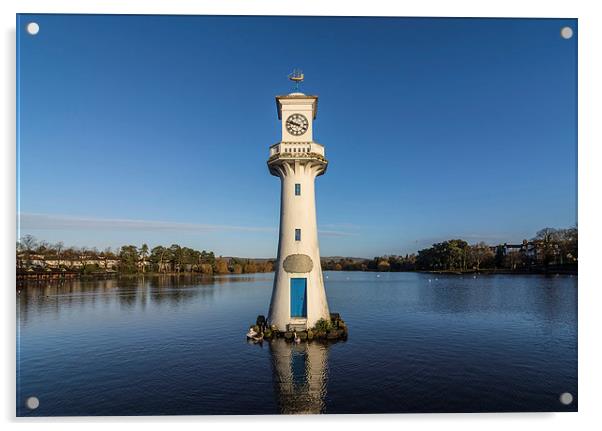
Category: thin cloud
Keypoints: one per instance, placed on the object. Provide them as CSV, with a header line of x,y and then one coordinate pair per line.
x,y
335,233
62,222
337,226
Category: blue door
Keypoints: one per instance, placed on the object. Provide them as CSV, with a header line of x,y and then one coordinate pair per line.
x,y
298,297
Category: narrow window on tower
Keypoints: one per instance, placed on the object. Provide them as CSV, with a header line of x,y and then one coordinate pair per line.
x,y
297,234
297,189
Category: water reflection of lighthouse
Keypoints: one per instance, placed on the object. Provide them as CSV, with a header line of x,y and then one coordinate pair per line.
x,y
300,376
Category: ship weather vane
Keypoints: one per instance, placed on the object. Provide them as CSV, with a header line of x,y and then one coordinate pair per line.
x,y
297,77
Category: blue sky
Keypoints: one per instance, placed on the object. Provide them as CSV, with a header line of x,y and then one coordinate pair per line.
x,y
156,129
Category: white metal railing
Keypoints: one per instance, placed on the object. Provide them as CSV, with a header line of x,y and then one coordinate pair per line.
x,y
296,148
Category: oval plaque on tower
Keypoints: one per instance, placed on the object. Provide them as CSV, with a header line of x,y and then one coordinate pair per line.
x,y
298,263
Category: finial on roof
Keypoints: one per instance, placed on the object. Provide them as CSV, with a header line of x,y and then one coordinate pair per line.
x,y
297,77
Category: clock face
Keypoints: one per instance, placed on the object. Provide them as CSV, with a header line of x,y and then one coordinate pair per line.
x,y
297,124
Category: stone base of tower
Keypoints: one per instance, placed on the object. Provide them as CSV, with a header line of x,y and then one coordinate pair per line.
x,y
325,330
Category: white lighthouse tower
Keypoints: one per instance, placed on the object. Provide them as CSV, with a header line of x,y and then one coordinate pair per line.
x,y
298,298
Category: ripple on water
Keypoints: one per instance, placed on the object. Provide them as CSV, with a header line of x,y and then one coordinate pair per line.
x,y
491,343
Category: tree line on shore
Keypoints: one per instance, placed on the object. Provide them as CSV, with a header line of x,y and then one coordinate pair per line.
x,y
35,256
550,248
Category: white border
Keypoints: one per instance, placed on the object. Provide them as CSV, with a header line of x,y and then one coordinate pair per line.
x,y
590,141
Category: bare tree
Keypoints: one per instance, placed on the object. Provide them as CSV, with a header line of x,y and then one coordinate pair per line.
x,y
478,254
28,242
59,246
143,255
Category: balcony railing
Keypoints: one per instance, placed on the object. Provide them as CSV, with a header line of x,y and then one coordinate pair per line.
x,y
297,150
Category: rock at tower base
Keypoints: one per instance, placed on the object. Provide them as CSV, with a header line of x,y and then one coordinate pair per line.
x,y
332,330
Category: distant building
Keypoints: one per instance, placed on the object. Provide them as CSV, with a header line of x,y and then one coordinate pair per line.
x,y
53,262
528,248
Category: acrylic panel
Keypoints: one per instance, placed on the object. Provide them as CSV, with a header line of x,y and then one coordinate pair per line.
x,y
197,235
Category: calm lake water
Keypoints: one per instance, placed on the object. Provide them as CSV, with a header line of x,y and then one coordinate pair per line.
x,y
417,343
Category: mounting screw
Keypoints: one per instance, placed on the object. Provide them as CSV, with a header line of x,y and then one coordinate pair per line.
x,y
33,28
32,403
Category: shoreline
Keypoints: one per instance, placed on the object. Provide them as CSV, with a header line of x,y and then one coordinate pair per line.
x,y
59,277
563,271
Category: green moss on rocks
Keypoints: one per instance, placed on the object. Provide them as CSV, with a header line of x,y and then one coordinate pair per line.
x,y
323,325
